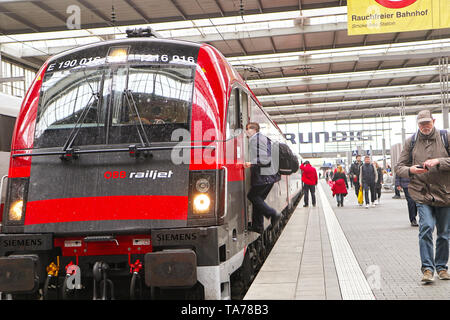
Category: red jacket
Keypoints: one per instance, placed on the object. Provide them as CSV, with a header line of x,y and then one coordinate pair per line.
x,y
309,174
338,187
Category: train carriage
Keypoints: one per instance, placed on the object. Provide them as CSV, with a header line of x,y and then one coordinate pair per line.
x,y
126,177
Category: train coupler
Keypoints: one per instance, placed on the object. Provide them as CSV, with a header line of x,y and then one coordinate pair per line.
x,y
136,282
101,280
51,282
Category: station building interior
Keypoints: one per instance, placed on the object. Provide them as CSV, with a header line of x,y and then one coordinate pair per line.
x,y
332,94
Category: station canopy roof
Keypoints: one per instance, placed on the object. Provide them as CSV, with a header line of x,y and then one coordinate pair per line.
x,y
295,54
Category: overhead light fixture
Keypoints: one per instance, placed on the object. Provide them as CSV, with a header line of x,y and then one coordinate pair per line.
x,y
117,55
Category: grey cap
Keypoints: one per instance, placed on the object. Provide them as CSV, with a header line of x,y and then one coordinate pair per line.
x,y
424,116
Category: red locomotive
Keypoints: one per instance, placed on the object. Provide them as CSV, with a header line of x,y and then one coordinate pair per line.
x,y
126,177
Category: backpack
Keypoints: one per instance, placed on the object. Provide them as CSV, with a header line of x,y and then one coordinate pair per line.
x,y
444,137
288,162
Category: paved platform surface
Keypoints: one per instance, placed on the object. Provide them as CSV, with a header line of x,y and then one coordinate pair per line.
x,y
332,253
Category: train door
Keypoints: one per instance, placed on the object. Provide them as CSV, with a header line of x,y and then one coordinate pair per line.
x,y
244,119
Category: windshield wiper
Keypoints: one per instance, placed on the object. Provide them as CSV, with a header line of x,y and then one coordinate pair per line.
x,y
76,129
133,150
133,107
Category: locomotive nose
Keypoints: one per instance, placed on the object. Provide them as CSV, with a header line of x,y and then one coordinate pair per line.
x,y
102,193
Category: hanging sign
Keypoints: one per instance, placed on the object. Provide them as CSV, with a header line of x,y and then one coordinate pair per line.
x,y
384,16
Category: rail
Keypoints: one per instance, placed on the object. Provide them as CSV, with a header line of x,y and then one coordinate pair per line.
x,y
225,207
1,187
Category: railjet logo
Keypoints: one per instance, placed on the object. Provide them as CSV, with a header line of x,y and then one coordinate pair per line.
x,y
147,174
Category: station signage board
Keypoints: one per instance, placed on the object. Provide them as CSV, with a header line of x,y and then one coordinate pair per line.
x,y
384,16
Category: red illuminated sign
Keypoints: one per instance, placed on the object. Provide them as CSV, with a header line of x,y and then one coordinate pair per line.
x,y
395,4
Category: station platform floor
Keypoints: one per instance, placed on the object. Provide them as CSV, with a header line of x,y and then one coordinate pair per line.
x,y
346,253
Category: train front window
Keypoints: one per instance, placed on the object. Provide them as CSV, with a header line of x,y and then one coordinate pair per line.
x,y
150,102
70,99
114,105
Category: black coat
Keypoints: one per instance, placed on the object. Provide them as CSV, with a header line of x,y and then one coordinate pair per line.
x,y
354,168
262,168
380,177
368,174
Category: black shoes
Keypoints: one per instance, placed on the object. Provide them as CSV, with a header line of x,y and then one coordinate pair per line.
x,y
256,229
274,219
414,223
305,205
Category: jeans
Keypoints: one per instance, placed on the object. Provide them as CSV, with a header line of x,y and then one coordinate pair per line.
x,y
412,209
257,195
366,187
357,186
429,217
309,188
340,197
378,191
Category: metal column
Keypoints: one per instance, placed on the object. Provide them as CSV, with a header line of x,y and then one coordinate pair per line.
x,y
443,79
402,116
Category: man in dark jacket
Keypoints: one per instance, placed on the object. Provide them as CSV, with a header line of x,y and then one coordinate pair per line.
x,y
263,177
402,183
427,164
309,179
354,173
368,177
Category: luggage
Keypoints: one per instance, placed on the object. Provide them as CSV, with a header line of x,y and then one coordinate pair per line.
x,y
288,162
360,196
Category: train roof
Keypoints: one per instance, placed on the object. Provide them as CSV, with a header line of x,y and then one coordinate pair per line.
x,y
124,41
9,105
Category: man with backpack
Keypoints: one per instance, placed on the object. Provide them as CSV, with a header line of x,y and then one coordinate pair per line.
x,y
368,178
263,177
425,159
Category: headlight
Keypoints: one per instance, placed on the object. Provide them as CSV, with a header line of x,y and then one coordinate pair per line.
x,y
16,211
16,200
202,197
202,185
202,202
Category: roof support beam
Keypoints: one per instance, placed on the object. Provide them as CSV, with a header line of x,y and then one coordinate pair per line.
x,y
289,110
429,49
411,89
138,10
18,18
345,115
177,6
49,10
253,26
344,77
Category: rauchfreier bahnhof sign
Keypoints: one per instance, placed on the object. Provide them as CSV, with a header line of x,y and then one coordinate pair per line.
x,y
384,16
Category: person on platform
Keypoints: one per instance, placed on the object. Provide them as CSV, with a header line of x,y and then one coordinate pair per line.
x,y
425,160
368,177
354,172
396,191
402,184
263,177
340,186
379,182
309,179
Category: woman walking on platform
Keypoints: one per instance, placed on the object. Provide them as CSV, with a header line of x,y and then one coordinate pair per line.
x,y
340,186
